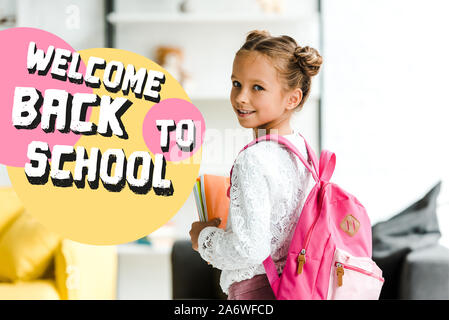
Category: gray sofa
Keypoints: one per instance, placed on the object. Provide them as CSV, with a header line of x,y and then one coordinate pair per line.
x,y
425,274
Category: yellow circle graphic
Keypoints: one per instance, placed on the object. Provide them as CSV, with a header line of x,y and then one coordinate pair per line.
x,y
96,214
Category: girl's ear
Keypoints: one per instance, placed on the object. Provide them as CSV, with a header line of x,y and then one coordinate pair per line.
x,y
294,98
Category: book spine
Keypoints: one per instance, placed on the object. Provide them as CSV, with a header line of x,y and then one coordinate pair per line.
x,y
203,198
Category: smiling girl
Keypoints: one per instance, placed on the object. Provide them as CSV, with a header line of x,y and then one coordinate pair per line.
x,y
271,79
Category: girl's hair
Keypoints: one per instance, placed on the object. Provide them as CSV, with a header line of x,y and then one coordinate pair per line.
x,y
296,65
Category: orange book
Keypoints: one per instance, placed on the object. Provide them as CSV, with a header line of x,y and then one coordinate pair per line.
x,y
211,198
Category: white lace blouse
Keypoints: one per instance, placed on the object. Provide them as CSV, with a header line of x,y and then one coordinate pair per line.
x,y
269,187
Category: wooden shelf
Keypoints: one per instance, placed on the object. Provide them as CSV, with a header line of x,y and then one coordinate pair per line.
x,y
115,17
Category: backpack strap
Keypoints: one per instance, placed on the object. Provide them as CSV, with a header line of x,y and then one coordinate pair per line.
x,y
327,165
280,139
326,169
272,273
312,168
311,154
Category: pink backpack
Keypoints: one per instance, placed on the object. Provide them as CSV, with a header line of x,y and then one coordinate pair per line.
x,y
330,253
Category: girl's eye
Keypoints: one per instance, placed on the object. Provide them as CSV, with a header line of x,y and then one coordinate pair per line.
x,y
258,88
235,84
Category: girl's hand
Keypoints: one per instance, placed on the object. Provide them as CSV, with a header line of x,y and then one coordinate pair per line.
x,y
198,226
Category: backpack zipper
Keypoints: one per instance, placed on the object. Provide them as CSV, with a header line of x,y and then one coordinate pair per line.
x,y
301,260
302,254
340,272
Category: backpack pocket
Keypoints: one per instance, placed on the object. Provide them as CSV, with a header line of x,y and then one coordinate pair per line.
x,y
352,278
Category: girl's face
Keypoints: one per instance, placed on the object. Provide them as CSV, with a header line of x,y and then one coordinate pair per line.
x,y
257,95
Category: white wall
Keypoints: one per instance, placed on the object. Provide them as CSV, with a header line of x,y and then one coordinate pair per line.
x,y
4,179
209,50
80,22
385,102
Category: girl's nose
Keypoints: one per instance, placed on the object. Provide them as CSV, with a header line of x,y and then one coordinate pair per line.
x,y
242,97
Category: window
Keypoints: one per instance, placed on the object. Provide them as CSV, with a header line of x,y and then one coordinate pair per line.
x,y
385,107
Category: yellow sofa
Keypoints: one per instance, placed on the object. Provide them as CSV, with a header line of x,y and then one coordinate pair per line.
x,y
37,264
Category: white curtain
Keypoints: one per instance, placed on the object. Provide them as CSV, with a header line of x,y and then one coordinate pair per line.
x,y
385,104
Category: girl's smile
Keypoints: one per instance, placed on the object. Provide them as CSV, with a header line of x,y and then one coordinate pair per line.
x,y
243,113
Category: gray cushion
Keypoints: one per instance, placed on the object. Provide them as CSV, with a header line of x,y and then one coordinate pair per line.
x,y
414,228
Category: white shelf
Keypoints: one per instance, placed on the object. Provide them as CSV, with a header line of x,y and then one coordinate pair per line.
x,y
139,249
115,17
206,96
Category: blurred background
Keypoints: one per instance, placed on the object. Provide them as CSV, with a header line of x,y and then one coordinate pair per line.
x,y
379,102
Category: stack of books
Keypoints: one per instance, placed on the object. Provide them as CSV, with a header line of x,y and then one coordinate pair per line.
x,y
211,198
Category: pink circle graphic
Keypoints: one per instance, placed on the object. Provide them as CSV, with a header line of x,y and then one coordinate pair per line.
x,y
13,63
176,110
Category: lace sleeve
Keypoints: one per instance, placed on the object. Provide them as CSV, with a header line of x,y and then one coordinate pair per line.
x,y
247,238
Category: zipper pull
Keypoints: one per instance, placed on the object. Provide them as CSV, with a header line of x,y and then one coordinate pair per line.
x,y
301,260
340,273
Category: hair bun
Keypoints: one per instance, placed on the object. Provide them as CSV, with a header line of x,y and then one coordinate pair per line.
x,y
257,35
309,60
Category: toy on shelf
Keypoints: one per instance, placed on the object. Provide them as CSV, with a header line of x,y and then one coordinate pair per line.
x,y
271,6
171,59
